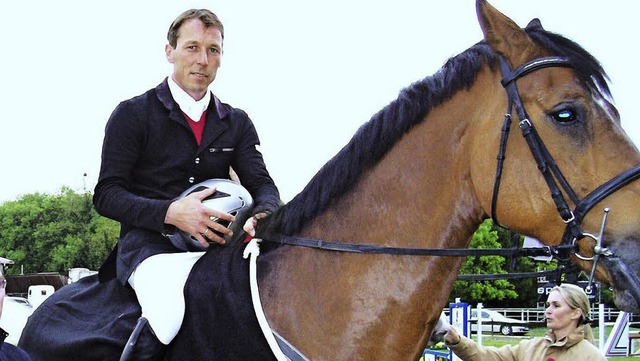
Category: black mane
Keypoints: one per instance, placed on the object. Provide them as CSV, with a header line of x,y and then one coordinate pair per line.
x,y
374,138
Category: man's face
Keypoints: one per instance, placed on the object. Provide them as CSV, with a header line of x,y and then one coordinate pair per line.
x,y
196,58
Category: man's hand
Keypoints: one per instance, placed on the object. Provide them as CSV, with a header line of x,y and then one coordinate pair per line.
x,y
252,222
193,217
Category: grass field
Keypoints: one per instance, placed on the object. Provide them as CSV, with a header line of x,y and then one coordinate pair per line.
x,y
495,340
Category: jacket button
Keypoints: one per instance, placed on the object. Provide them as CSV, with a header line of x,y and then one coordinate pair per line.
x,y
197,160
191,179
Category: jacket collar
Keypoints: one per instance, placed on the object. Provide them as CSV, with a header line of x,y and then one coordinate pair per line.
x,y
164,95
191,107
215,112
571,339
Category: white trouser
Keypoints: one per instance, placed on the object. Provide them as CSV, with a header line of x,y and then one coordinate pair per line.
x,y
159,284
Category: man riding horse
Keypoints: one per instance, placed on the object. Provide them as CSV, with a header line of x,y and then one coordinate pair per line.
x,y
158,144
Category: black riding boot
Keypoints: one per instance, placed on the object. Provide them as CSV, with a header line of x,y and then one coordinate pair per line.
x,y
143,344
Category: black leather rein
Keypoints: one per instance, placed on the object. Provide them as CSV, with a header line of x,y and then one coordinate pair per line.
x,y
404,251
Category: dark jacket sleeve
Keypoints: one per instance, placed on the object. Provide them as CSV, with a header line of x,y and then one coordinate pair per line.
x,y
125,139
249,164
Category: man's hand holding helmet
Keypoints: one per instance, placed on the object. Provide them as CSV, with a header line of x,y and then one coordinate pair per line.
x,y
207,212
190,215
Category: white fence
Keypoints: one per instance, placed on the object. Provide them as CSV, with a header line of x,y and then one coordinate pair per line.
x,y
534,315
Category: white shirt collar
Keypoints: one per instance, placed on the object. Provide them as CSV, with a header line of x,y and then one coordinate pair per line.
x,y
192,108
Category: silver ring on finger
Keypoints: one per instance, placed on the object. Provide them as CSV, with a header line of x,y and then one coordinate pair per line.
x,y
205,232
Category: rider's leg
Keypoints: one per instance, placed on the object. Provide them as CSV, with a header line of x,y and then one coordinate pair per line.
x,y
159,285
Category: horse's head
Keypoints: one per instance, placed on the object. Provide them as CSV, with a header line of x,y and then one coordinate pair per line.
x,y
571,117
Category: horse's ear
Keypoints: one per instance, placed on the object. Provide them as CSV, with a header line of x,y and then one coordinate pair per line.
x,y
534,24
503,35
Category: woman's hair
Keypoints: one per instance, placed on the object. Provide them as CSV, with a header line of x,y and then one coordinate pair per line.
x,y
576,298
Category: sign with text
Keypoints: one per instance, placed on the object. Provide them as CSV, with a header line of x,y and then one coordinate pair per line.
x,y
545,288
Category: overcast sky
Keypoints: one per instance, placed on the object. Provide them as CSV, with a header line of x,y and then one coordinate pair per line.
x,y
308,73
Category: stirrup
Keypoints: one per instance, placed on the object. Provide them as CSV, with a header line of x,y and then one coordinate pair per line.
x,y
143,344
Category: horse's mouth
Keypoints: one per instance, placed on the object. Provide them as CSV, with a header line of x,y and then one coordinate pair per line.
x,y
626,288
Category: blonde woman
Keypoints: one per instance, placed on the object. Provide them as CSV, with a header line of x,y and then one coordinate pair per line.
x,y
569,337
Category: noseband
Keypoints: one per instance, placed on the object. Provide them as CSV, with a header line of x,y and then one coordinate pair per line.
x,y
552,175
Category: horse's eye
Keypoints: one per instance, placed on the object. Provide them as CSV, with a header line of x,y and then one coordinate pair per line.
x,y
564,116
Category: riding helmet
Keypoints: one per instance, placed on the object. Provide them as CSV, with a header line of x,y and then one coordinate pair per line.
x,y
229,197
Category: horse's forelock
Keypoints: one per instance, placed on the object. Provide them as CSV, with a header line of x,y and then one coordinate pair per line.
x,y
587,67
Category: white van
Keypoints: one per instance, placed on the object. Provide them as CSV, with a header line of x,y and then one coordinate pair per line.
x,y
38,293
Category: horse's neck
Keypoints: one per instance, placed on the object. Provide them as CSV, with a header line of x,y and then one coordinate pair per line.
x,y
419,195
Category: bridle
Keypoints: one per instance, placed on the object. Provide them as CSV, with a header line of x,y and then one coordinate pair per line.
x,y
550,171
553,177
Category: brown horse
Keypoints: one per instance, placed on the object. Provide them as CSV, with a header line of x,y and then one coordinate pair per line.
x,y
422,173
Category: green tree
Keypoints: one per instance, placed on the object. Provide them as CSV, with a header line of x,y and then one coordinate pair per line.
x,y
484,291
526,288
502,293
52,233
